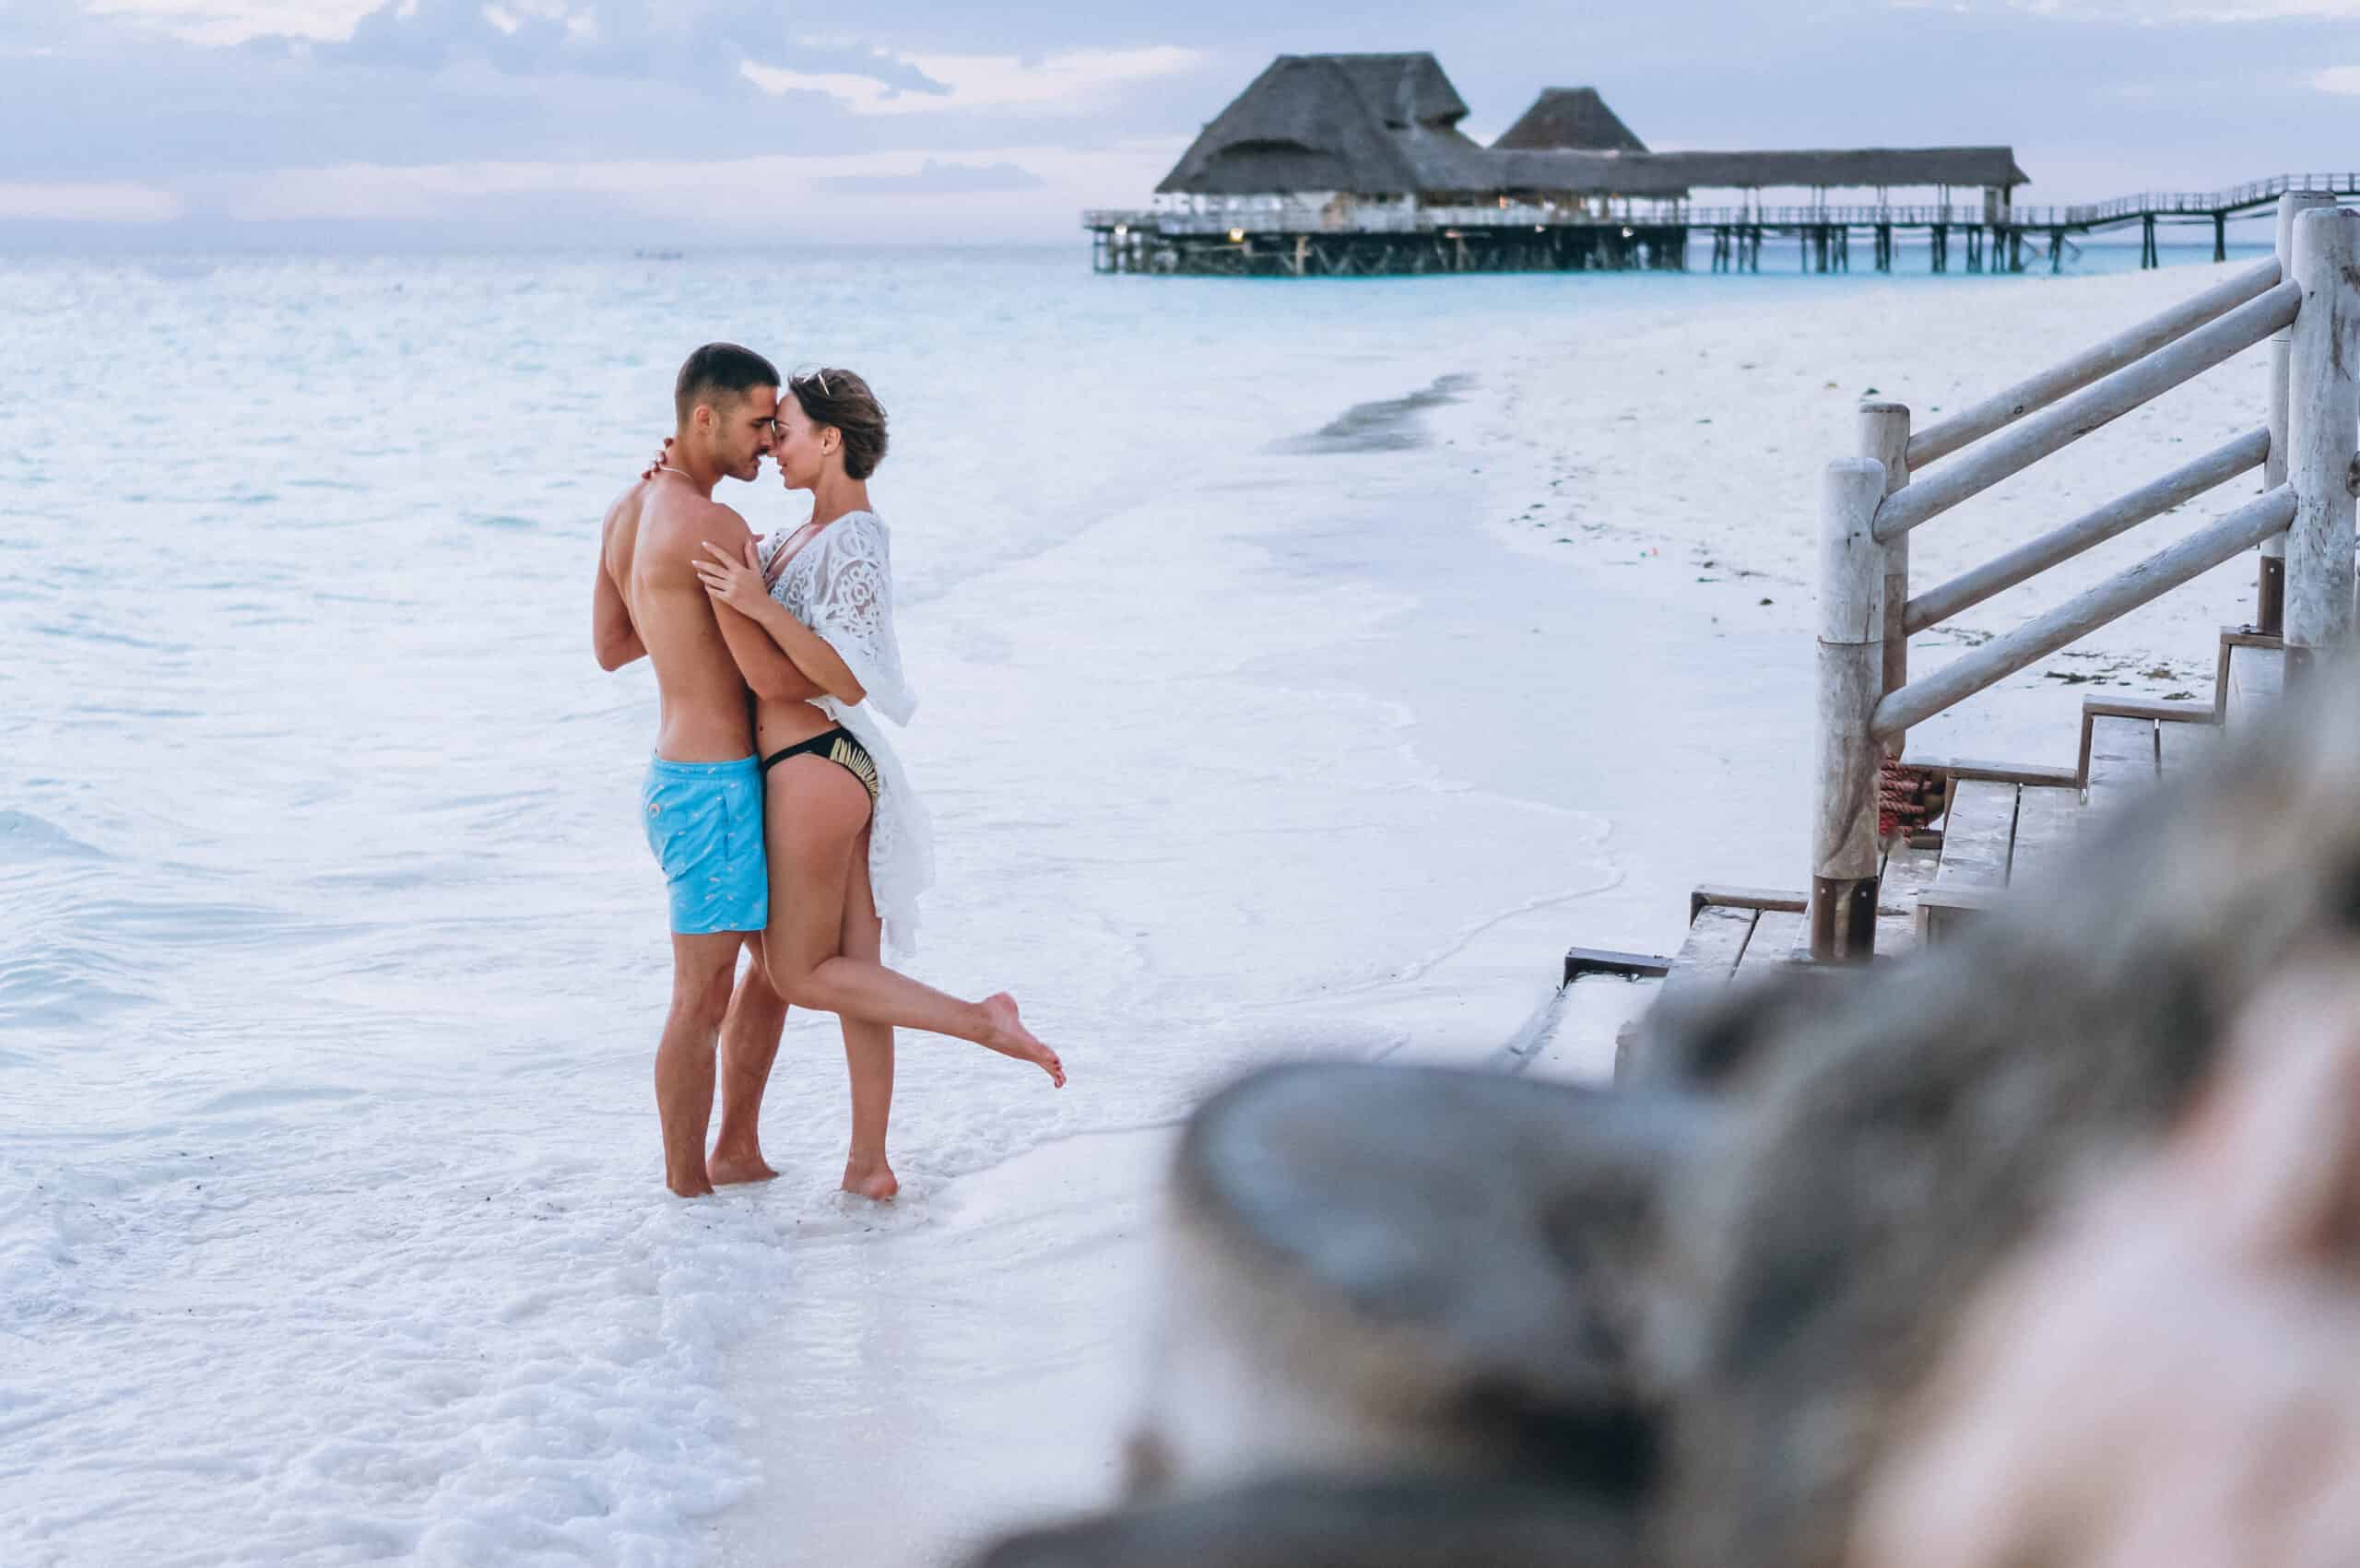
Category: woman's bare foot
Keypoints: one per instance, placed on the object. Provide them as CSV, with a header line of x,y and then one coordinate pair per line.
x,y
1011,1038
728,1166
870,1180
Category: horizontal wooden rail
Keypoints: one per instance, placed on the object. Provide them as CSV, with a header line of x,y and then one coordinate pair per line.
x,y
2059,427
2027,560
2084,613
2038,392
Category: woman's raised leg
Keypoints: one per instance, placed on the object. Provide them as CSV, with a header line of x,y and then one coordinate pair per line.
x,y
814,813
868,1047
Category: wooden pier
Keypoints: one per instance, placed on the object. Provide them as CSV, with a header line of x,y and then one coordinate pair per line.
x,y
1285,239
1881,886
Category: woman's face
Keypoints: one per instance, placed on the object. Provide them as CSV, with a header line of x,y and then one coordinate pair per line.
x,y
801,447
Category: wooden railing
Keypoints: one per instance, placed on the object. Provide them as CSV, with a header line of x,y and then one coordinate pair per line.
x,y
2306,301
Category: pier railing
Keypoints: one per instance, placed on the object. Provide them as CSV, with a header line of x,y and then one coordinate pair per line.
x,y
2306,301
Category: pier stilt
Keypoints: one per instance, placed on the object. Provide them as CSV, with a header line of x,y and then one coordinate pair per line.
x,y
2322,412
2270,591
1884,435
1851,674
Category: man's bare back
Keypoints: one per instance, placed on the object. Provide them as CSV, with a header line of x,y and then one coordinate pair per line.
x,y
652,535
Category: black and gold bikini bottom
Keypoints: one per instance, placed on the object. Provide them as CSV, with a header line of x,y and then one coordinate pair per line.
x,y
837,746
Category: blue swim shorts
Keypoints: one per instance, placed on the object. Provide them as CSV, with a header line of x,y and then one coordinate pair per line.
x,y
704,822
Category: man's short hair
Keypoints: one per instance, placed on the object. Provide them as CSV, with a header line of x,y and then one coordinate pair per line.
x,y
719,371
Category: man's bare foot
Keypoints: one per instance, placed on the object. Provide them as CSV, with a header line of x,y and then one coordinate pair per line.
x,y
731,1167
874,1181
698,1187
1011,1038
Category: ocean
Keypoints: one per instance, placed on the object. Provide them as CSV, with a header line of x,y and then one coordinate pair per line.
x,y
331,1223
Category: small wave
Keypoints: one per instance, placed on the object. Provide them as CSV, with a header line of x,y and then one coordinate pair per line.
x,y
25,839
1389,425
270,1098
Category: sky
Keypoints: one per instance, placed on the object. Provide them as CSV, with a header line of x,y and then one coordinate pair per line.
x,y
368,124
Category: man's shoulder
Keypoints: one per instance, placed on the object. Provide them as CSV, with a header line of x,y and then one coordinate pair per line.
x,y
624,508
675,509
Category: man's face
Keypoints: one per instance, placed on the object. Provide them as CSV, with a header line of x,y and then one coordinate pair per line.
x,y
741,432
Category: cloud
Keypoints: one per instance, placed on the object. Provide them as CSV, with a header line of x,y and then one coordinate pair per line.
x,y
861,93
1072,82
2338,80
221,22
63,202
1037,190
939,179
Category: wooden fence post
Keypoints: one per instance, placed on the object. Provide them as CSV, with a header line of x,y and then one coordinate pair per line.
x,y
2322,426
2270,594
1884,435
1851,676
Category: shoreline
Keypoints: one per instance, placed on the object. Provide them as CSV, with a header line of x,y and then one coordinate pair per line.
x,y
1235,754
1667,738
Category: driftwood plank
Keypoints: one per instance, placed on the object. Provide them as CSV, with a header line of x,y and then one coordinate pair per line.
x,y
1777,933
2181,746
1976,833
2122,759
2047,820
1716,939
2257,680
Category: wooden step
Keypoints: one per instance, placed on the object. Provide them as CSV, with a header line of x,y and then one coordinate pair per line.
x,y
2048,823
1908,872
2180,747
1716,939
2232,639
2257,679
1780,937
1977,832
2121,763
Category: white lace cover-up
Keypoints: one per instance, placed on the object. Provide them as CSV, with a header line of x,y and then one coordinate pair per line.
x,y
840,584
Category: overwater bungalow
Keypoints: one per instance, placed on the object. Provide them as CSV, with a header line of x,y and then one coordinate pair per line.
x,y
1569,119
1337,164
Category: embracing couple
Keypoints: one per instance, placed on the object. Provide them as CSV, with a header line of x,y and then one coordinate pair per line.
x,y
781,818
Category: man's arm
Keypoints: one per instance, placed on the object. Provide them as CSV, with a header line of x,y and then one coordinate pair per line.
x,y
612,636
762,662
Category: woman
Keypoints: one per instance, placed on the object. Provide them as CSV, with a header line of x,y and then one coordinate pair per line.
x,y
846,840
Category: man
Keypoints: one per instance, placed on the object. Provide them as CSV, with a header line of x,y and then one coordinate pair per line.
x,y
702,801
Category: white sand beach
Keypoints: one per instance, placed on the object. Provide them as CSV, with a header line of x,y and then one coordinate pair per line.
x,y
1561,646
1255,727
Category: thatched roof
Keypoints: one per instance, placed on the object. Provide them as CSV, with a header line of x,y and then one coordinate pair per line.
x,y
1964,166
1376,125
1363,122
1573,120
1585,173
